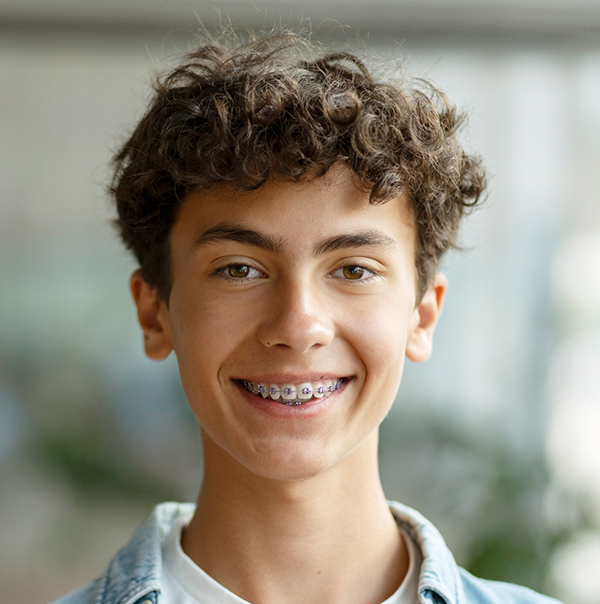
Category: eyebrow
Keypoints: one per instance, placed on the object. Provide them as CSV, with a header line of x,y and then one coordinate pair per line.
x,y
353,240
232,232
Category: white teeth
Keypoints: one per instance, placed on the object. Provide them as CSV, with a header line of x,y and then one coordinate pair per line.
x,y
288,392
305,391
262,390
294,394
319,390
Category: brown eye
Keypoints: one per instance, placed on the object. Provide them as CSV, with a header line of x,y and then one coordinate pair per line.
x,y
238,271
353,272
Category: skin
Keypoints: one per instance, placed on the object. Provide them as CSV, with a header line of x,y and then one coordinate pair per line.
x,y
290,283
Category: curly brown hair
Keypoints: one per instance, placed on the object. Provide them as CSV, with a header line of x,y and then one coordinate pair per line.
x,y
240,111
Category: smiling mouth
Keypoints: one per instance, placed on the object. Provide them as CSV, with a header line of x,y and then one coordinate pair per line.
x,y
294,394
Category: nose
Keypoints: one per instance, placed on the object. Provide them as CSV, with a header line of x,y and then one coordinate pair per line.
x,y
297,318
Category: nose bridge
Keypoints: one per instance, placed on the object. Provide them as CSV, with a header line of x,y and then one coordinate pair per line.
x,y
298,316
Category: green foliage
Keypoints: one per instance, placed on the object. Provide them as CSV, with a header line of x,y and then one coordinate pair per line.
x,y
83,456
488,498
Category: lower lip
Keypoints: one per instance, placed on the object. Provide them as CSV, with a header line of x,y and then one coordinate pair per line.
x,y
276,409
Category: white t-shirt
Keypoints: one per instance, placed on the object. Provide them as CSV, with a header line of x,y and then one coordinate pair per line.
x,y
185,583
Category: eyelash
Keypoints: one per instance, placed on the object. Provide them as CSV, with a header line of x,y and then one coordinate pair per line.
x,y
222,272
368,273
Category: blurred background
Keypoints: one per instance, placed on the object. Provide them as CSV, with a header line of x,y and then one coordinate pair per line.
x,y
495,439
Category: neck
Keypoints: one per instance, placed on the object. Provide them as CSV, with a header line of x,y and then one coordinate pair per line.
x,y
330,538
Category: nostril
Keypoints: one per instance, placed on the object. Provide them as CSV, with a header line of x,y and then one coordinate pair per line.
x,y
295,323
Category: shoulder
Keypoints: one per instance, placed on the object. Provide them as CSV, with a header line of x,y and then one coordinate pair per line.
x,y
442,580
482,591
135,573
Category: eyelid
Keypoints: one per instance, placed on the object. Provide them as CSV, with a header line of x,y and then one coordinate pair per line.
x,y
221,272
372,273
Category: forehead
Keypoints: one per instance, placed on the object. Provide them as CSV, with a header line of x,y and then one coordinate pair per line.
x,y
296,211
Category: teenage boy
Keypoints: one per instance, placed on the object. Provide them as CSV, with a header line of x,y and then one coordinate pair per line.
x,y
288,212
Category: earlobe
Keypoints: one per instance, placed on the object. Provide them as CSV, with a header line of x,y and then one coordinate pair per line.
x,y
420,337
153,317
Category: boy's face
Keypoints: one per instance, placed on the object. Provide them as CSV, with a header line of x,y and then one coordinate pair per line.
x,y
294,283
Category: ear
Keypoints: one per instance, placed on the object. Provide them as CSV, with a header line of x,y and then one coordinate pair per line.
x,y
153,316
425,317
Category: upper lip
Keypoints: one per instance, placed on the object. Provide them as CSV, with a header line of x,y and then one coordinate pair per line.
x,y
288,378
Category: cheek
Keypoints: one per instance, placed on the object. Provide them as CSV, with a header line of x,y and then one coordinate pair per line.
x,y
206,334
205,325
379,337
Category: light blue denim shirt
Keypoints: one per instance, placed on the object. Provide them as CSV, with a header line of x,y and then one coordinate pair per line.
x,y
134,574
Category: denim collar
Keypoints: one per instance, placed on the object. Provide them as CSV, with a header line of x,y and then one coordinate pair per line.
x,y
134,575
440,579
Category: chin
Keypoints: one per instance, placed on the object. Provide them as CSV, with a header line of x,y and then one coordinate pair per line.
x,y
292,463
301,460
